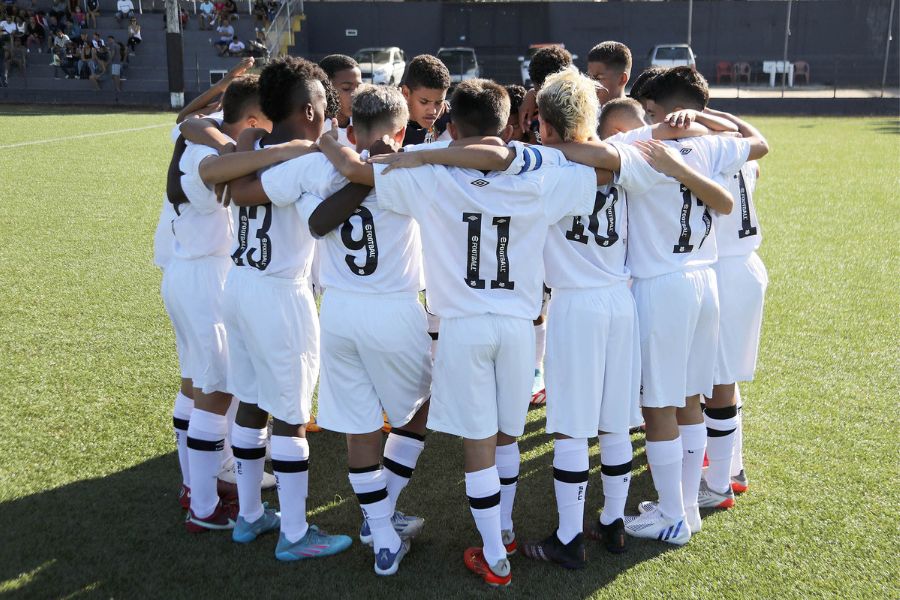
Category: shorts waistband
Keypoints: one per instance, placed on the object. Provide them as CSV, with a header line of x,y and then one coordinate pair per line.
x,y
587,291
201,259
247,272
371,296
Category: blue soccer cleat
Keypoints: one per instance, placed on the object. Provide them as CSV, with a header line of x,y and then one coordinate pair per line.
x,y
315,544
245,532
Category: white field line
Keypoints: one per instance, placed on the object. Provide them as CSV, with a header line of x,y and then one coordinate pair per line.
x,y
82,136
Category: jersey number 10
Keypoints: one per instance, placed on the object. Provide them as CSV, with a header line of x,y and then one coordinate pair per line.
x,y
473,259
576,234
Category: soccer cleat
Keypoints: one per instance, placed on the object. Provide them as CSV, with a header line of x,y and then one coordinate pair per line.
x,y
313,425
612,536
538,391
406,526
709,498
227,485
184,497
222,518
705,460
509,541
245,532
655,526
740,483
569,556
387,562
497,575
692,514
315,544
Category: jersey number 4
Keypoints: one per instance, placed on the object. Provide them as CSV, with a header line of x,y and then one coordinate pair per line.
x,y
246,215
684,241
473,260
367,240
576,234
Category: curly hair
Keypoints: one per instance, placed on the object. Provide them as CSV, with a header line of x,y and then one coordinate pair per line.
x,y
681,86
426,71
516,96
286,83
335,63
548,61
612,54
379,105
568,103
241,93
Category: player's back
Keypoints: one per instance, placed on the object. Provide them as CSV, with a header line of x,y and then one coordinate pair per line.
x,y
739,233
202,226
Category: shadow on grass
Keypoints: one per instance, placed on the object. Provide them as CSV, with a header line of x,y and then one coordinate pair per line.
x,y
121,536
886,126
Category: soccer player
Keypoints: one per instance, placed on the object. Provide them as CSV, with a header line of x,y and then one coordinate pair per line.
x,y
516,96
345,77
609,63
545,61
640,83
425,86
271,316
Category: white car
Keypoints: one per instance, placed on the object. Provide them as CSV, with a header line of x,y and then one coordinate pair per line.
x,y
525,61
381,65
461,62
673,55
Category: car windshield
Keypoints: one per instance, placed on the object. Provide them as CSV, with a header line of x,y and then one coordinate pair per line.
x,y
457,61
672,53
374,55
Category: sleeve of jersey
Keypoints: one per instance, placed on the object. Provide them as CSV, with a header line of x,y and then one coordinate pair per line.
x,y
399,191
531,158
284,183
635,175
569,191
729,154
194,188
307,204
641,134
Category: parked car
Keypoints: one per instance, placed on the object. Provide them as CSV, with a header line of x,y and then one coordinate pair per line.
x,y
381,65
525,61
461,62
672,55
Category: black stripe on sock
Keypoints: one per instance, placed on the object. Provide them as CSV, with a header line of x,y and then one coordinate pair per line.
x,y
205,445
180,424
570,476
369,469
509,480
719,432
615,470
486,502
397,469
290,466
407,434
728,412
433,334
249,453
372,497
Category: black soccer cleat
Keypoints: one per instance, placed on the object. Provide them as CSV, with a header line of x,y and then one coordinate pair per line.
x,y
569,556
612,536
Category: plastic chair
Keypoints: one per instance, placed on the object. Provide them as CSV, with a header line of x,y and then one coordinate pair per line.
x,y
740,71
723,69
801,69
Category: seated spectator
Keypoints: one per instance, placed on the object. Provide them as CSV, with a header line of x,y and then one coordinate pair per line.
x,y
93,11
124,9
70,8
14,55
261,13
79,17
134,35
58,10
34,37
230,10
226,34
7,29
86,65
236,47
75,30
66,60
206,14
60,39
219,7
116,62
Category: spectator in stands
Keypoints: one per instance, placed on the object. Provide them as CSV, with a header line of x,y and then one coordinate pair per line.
x,y
7,29
68,60
219,7
236,47
58,10
70,8
116,63
230,10
86,64
261,14
60,39
14,55
206,14
93,11
134,34
226,34
34,36
79,17
124,9
101,52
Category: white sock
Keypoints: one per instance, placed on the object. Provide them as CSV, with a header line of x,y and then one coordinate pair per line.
x,y
737,459
721,425
693,442
371,491
615,473
507,459
570,480
227,454
290,461
540,344
250,458
401,453
483,490
206,440
181,416
665,460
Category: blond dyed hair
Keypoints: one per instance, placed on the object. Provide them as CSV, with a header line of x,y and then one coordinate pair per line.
x,y
568,102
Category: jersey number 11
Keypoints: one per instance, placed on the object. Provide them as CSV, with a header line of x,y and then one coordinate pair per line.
x,y
473,259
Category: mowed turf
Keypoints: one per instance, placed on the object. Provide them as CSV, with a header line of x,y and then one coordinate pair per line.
x,y
88,373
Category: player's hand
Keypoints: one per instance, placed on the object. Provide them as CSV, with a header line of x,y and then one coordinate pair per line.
x,y
227,148
681,118
398,160
528,110
662,158
223,194
331,133
242,67
247,139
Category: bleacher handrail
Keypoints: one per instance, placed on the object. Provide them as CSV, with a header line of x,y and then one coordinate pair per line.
x,y
281,26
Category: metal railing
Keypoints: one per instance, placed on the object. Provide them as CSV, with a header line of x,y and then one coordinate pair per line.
x,y
279,33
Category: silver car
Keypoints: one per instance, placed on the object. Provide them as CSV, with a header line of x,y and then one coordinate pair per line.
x,y
381,65
461,62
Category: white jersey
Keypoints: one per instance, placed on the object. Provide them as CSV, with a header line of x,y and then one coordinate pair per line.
x,y
342,134
670,227
375,251
739,233
163,241
202,226
483,234
273,239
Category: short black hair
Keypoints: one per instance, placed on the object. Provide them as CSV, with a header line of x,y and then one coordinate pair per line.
x,y
240,93
681,85
618,106
335,63
641,81
285,83
479,107
612,54
516,96
426,71
548,61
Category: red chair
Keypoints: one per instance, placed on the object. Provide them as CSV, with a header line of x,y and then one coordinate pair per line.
x,y
740,71
801,69
723,69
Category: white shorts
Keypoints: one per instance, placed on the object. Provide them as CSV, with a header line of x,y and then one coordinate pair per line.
x,y
164,238
482,376
593,363
678,317
273,343
742,282
376,356
192,293
315,283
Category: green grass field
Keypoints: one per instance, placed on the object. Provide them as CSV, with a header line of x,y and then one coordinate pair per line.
x,y
88,474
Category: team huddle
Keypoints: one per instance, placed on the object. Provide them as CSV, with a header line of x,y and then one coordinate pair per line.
x,y
445,240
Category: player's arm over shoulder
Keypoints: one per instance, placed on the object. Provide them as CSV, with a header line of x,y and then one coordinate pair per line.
x,y
759,146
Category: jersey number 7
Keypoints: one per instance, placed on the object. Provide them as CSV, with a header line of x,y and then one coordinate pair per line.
x,y
473,260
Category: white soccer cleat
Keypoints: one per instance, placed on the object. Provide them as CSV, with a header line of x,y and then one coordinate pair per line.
x,y
692,514
654,525
230,476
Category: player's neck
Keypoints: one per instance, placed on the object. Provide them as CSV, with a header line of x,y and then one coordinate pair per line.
x,y
232,130
285,131
343,121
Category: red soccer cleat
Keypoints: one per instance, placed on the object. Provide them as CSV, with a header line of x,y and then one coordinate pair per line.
x,y
184,497
223,518
475,562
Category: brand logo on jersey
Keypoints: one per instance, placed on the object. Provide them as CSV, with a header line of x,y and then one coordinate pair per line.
x,y
685,151
479,183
